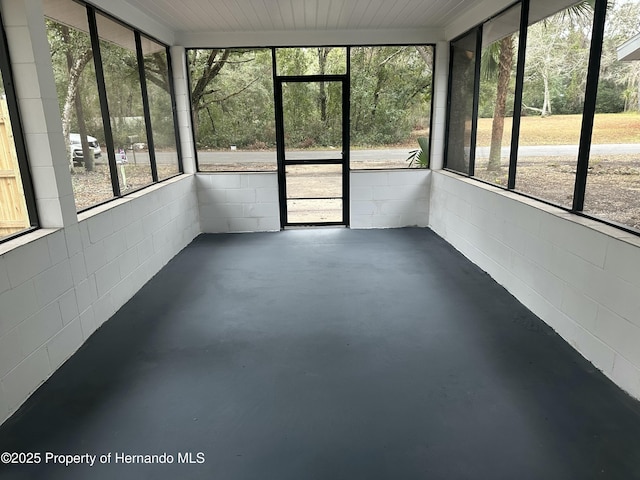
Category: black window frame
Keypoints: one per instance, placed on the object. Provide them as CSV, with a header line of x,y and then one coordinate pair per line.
x,y
194,120
431,107
104,106
588,112
275,76
477,31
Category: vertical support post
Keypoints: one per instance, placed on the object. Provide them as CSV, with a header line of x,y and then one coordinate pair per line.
x,y
476,102
517,101
104,104
346,142
145,107
280,151
590,96
174,107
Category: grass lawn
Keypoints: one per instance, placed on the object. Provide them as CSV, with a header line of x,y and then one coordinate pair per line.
x,y
565,129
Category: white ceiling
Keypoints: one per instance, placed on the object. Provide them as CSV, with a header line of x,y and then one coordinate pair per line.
x,y
296,15
255,23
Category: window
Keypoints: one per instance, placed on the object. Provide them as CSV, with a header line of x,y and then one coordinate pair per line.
x,y
233,109
497,94
613,181
124,97
158,81
461,95
74,72
582,63
102,67
555,77
311,61
391,95
17,204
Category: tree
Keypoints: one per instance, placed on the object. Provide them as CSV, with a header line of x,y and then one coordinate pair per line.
x,y
622,78
77,54
546,39
557,55
390,92
323,53
157,70
497,60
232,97
205,65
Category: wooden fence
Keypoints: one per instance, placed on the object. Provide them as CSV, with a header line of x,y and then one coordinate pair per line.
x,y
13,209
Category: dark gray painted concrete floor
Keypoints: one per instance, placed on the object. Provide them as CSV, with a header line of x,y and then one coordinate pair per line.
x,y
329,354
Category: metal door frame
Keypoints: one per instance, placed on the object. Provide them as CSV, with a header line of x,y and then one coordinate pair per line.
x,y
280,145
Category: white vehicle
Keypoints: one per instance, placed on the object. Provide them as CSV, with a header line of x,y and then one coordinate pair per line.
x,y
75,148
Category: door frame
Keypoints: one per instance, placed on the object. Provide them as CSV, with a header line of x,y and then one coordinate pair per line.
x,y
280,145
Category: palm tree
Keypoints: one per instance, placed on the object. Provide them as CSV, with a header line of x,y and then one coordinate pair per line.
x,y
497,59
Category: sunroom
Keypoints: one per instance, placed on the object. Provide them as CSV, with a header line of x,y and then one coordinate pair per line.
x,y
325,239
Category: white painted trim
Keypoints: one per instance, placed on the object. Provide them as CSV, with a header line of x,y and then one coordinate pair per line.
x,y
473,16
308,38
183,109
439,118
630,50
132,16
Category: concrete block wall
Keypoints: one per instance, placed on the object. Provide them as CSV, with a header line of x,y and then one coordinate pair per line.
x,y
238,202
57,286
390,198
581,277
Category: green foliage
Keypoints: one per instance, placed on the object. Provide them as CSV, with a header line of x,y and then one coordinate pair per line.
x,y
390,94
420,157
610,97
559,48
122,81
237,105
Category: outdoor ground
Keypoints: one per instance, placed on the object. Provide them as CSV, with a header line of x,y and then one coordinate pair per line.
x,y
565,129
91,188
613,190
613,187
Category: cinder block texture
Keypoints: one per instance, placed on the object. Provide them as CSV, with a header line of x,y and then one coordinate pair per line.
x,y
581,277
238,202
57,289
390,198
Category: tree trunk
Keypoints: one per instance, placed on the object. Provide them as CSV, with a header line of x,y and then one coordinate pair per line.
x,y
425,53
323,53
75,68
380,77
546,104
87,152
212,69
497,129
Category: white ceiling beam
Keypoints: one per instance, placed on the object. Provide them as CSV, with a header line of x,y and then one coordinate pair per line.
x,y
629,50
136,18
309,38
473,16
